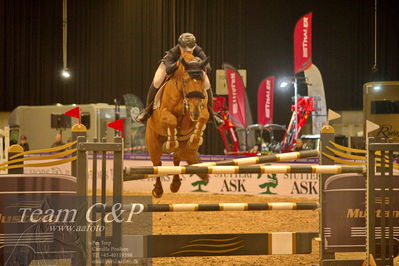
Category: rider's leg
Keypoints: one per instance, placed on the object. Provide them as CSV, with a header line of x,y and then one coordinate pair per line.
x,y
207,85
156,83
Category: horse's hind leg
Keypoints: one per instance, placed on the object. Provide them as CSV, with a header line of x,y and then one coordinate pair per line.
x,y
176,182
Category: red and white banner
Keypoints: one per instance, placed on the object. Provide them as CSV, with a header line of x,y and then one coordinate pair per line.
x,y
236,89
265,101
303,43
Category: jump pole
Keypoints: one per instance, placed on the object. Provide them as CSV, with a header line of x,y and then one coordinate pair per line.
x,y
280,157
133,172
210,207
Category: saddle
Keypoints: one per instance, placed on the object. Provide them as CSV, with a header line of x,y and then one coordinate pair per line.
x,y
158,96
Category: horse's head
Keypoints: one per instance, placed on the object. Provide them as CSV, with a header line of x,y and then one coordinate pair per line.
x,y
193,86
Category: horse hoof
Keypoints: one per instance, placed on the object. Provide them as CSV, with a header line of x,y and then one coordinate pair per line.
x,y
157,191
204,177
175,185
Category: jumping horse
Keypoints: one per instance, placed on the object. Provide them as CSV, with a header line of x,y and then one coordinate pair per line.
x,y
177,125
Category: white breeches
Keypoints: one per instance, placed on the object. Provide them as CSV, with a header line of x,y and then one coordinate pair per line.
x,y
161,73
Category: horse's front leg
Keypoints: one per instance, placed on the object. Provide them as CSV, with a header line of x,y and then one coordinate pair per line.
x,y
169,122
196,138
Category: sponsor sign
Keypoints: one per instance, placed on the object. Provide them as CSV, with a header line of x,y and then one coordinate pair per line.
x,y
303,43
265,101
236,91
245,184
344,212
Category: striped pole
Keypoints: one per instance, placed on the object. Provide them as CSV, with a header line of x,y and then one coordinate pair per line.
x,y
275,169
281,157
194,207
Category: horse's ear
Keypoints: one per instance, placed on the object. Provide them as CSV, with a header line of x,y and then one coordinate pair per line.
x,y
185,64
204,62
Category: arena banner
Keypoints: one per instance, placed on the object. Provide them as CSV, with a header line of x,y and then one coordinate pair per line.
x,y
265,101
303,43
344,212
236,89
306,185
316,90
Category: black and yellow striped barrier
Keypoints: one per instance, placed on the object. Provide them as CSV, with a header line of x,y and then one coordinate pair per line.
x,y
350,159
60,153
55,149
135,173
195,207
253,160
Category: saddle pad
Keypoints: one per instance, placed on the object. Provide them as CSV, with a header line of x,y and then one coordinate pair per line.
x,y
158,97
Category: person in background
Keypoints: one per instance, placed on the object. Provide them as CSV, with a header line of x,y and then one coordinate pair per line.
x,y
298,145
23,141
58,141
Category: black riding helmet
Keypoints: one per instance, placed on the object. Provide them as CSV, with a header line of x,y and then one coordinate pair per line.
x,y
187,41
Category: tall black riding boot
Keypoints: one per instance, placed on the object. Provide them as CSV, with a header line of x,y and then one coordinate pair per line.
x,y
147,111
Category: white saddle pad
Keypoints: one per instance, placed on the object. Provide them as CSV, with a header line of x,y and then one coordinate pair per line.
x,y
158,97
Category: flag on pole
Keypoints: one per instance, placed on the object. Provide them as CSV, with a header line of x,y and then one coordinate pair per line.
x,y
332,115
75,112
370,126
236,97
303,43
265,101
118,125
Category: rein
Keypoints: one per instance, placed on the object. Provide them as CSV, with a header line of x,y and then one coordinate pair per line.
x,y
192,94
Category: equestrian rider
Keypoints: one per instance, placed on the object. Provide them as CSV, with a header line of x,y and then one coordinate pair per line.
x,y
186,44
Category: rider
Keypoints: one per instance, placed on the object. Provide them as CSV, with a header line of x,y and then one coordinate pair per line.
x,y
186,44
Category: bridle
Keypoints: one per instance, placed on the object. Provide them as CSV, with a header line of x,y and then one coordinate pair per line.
x,y
194,74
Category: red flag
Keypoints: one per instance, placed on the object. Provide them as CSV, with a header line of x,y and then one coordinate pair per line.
x,y
236,91
219,103
303,43
75,112
265,101
117,125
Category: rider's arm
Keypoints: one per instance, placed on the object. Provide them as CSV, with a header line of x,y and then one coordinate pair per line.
x,y
170,59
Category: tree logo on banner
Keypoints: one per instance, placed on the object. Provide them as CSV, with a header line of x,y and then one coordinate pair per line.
x,y
199,183
273,183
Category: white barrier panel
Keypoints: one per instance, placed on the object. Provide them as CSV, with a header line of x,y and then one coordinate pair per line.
x,y
245,184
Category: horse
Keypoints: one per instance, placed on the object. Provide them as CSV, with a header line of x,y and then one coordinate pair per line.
x,y
178,124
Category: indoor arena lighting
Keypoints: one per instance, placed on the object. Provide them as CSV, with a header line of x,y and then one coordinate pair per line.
x,y
283,84
377,87
65,73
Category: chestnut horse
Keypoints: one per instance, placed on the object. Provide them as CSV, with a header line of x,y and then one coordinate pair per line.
x,y
177,126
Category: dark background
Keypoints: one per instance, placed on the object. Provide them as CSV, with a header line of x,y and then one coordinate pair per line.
x,y
114,46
